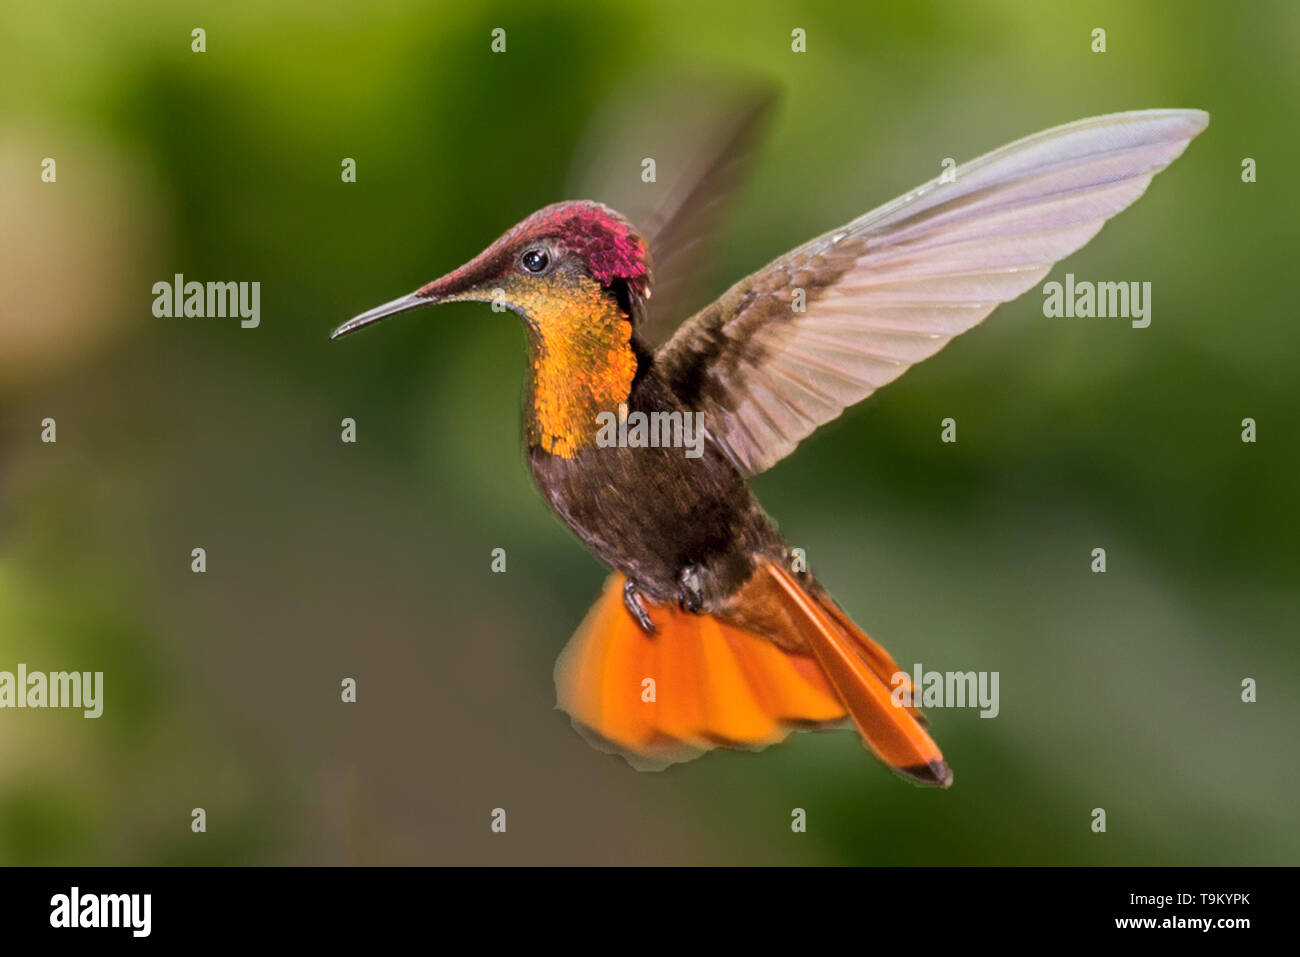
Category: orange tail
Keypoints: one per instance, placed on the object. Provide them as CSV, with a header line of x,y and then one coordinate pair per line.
x,y
861,672
699,682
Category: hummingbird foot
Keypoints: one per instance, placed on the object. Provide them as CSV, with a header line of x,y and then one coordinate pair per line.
x,y
636,607
691,595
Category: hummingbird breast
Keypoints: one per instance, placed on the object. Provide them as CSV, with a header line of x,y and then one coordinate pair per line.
x,y
654,512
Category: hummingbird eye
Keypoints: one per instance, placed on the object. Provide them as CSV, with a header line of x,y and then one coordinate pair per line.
x,y
535,260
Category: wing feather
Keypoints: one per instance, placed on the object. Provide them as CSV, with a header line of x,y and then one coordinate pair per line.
x,y
894,286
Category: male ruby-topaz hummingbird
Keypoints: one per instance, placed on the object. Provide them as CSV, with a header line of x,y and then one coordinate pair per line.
x,y
707,633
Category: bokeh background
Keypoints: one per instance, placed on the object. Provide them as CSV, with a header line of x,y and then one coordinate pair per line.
x,y
326,560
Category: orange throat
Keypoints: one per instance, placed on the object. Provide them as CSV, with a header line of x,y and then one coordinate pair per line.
x,y
582,365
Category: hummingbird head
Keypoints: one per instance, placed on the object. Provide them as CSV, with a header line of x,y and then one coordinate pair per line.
x,y
561,262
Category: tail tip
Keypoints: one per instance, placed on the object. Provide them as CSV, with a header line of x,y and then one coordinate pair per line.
x,y
933,774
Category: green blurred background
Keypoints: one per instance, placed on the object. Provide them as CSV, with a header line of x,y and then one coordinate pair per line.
x,y
371,560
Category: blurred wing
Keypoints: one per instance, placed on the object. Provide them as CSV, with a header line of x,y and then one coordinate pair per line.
x,y
680,230
702,146
892,287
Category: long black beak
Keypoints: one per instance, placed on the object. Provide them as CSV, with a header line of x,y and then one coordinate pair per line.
x,y
406,303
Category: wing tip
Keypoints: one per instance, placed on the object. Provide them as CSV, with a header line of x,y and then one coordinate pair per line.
x,y
1177,125
1197,119
1194,115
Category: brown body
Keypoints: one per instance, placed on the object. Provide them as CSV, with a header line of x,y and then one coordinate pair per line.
x,y
656,516
652,513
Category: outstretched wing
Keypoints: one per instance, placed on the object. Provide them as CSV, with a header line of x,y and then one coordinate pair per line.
x,y
892,287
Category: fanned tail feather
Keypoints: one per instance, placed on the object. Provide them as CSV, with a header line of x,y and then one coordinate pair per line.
x,y
701,682
697,683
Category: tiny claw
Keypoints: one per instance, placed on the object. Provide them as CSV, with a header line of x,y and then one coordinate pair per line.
x,y
636,607
692,593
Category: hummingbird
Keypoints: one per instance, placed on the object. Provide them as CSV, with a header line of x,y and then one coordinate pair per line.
x,y
711,631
